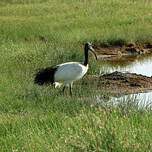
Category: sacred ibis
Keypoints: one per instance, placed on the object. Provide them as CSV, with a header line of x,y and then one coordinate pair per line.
x,y
65,73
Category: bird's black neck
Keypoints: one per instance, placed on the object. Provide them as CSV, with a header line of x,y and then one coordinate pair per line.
x,y
86,56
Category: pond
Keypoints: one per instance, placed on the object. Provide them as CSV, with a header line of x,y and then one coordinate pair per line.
x,y
139,64
133,64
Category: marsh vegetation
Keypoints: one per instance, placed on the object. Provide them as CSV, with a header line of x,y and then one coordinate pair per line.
x,y
39,33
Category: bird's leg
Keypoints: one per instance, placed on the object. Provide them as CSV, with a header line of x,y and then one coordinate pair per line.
x,y
71,89
63,90
53,84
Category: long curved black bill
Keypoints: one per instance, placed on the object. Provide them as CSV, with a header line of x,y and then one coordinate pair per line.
x,y
92,50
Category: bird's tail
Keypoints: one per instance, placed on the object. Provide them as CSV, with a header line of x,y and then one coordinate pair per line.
x,y
39,78
45,76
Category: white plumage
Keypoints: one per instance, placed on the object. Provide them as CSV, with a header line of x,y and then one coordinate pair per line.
x,y
69,72
65,73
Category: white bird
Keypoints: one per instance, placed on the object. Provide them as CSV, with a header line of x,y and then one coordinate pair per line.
x,y
65,73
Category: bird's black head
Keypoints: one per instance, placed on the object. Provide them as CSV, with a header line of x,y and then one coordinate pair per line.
x,y
88,46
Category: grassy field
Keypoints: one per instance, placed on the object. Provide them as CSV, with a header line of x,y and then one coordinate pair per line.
x,y
40,33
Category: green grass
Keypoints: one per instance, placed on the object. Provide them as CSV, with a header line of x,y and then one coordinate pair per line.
x,y
34,118
63,20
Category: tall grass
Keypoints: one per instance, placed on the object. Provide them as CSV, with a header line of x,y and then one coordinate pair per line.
x,y
75,21
36,34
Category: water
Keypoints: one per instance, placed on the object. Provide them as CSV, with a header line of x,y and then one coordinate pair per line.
x,y
132,64
139,66
140,100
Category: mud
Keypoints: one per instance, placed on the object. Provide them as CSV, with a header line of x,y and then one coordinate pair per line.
x,y
118,82
120,49
125,82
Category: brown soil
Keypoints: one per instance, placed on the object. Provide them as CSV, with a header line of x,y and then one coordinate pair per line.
x,y
118,82
125,82
120,49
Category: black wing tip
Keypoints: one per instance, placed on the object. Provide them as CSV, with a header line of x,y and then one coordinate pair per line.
x,y
41,78
38,80
45,75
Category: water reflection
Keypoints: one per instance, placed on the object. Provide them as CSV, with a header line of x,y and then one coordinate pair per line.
x,y
140,101
133,65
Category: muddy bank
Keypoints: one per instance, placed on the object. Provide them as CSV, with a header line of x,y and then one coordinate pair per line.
x,y
122,54
118,82
120,49
125,82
